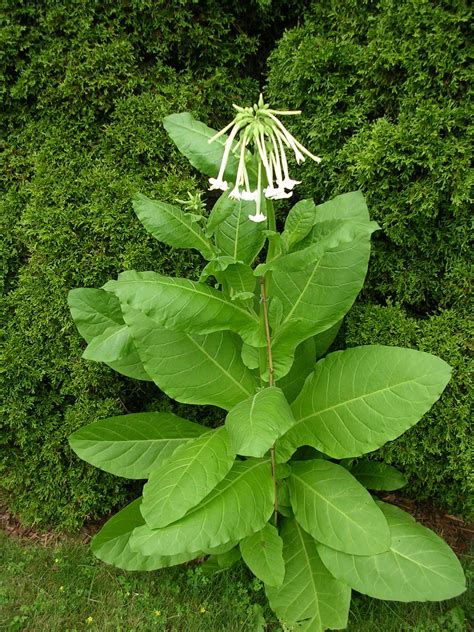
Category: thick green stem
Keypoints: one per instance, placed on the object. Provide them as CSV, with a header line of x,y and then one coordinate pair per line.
x,y
269,368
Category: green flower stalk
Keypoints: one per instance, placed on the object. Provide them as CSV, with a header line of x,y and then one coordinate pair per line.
x,y
259,127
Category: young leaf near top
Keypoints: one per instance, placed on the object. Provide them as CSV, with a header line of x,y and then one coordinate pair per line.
x,y
299,222
238,506
191,137
256,422
132,445
171,225
192,369
186,477
357,400
98,317
419,566
184,305
335,509
236,236
309,594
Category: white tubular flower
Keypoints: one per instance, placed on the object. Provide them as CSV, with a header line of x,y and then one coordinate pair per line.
x,y
260,129
258,217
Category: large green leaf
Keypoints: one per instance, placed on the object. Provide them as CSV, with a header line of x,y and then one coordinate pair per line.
x,y
95,312
335,509
318,285
171,225
237,236
357,400
309,594
238,506
111,544
418,567
263,554
375,475
189,368
191,137
256,422
132,445
182,481
184,305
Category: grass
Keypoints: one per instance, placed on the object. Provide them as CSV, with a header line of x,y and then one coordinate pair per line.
x,y
63,588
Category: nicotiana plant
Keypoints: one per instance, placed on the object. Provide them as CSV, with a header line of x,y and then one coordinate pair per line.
x,y
281,481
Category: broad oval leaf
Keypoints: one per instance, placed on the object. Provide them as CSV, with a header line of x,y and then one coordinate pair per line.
x,y
189,368
237,236
238,506
96,311
171,225
318,285
335,509
309,594
263,554
376,475
357,400
132,445
184,479
112,543
418,567
191,137
185,305
256,422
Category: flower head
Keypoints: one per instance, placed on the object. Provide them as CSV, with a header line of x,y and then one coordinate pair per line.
x,y
257,130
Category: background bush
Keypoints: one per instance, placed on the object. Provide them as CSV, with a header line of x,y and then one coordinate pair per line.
x,y
86,86
384,91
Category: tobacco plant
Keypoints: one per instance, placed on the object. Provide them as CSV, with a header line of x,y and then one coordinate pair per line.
x,y
281,481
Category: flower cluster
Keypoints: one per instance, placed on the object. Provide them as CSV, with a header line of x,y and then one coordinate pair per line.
x,y
260,127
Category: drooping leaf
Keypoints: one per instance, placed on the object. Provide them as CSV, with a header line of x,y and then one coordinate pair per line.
x,y
309,593
318,285
237,236
418,567
256,422
357,400
132,445
375,475
335,509
238,506
263,554
111,544
305,359
191,137
299,222
185,478
96,311
189,368
184,305
171,225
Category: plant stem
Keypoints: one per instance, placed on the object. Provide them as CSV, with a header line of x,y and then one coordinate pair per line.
x,y
263,294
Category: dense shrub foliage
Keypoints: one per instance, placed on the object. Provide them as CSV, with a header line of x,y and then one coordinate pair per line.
x,y
383,88
86,86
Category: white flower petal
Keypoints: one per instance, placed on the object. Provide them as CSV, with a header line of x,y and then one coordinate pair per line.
x,y
258,217
218,183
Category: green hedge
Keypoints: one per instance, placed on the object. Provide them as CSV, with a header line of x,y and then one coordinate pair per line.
x,y
86,86
384,91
